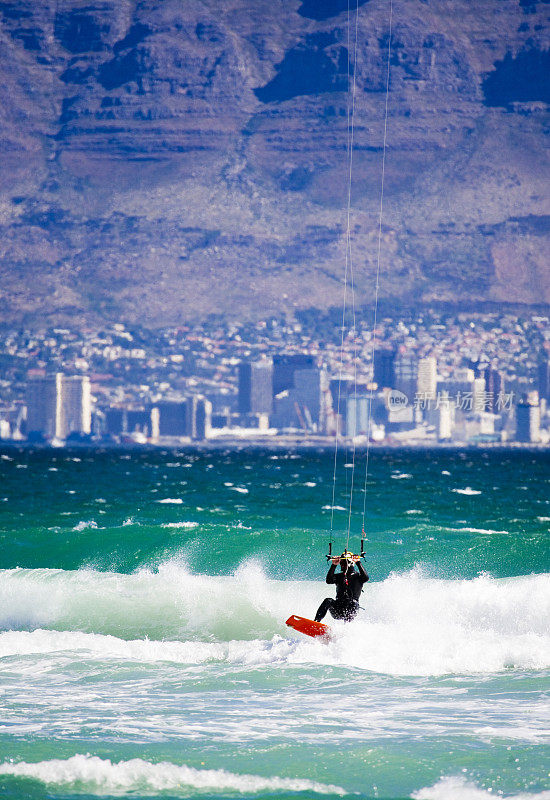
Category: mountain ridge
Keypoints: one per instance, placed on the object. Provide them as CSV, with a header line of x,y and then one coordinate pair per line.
x,y
165,160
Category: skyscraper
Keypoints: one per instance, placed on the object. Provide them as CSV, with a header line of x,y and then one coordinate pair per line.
x,y
494,386
426,384
76,405
528,421
43,412
255,387
405,368
383,368
172,418
59,405
284,367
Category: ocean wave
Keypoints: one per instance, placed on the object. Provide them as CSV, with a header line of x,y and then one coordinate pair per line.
x,y
467,491
184,524
85,524
411,624
177,501
459,788
83,774
476,530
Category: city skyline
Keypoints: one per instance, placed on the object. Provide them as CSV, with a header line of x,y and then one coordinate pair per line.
x,y
435,379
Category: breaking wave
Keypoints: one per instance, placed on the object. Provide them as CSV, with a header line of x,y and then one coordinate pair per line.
x,y
410,625
458,788
85,773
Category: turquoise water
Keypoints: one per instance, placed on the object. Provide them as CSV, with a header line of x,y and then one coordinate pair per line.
x,y
143,650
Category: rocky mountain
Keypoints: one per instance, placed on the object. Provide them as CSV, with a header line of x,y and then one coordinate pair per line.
x,y
163,159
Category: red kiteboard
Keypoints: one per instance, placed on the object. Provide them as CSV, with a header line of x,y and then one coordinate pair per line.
x,y
308,626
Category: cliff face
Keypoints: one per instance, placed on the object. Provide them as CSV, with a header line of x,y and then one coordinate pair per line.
x,y
164,159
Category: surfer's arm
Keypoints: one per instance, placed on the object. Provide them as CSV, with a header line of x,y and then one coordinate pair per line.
x,y
362,572
330,574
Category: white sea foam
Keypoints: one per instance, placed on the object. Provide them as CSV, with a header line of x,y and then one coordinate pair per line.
x,y
83,774
421,626
240,489
476,530
311,484
84,524
184,524
177,501
467,491
459,788
413,511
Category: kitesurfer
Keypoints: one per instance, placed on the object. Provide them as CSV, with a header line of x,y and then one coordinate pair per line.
x,y
349,585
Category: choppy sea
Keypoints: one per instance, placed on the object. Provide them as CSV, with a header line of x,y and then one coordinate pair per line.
x,y
143,646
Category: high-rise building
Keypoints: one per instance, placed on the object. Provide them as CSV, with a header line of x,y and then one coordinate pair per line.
x,y
59,405
199,417
426,384
284,367
383,368
357,410
43,410
495,388
172,418
76,405
306,404
309,388
528,420
406,371
255,387
445,418
479,396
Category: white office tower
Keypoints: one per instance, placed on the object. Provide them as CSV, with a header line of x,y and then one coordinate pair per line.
x,y
445,418
357,416
426,384
59,405
76,406
479,395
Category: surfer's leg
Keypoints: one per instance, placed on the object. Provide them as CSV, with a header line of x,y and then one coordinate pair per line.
x,y
323,608
350,611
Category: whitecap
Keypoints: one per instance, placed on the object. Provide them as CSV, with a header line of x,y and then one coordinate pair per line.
x,y
5,458
103,776
467,491
413,511
543,519
459,788
83,525
175,500
53,469
184,524
333,508
476,530
310,484
445,472
240,489
400,475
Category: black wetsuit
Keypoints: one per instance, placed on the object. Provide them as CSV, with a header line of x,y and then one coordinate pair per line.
x,y
349,586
